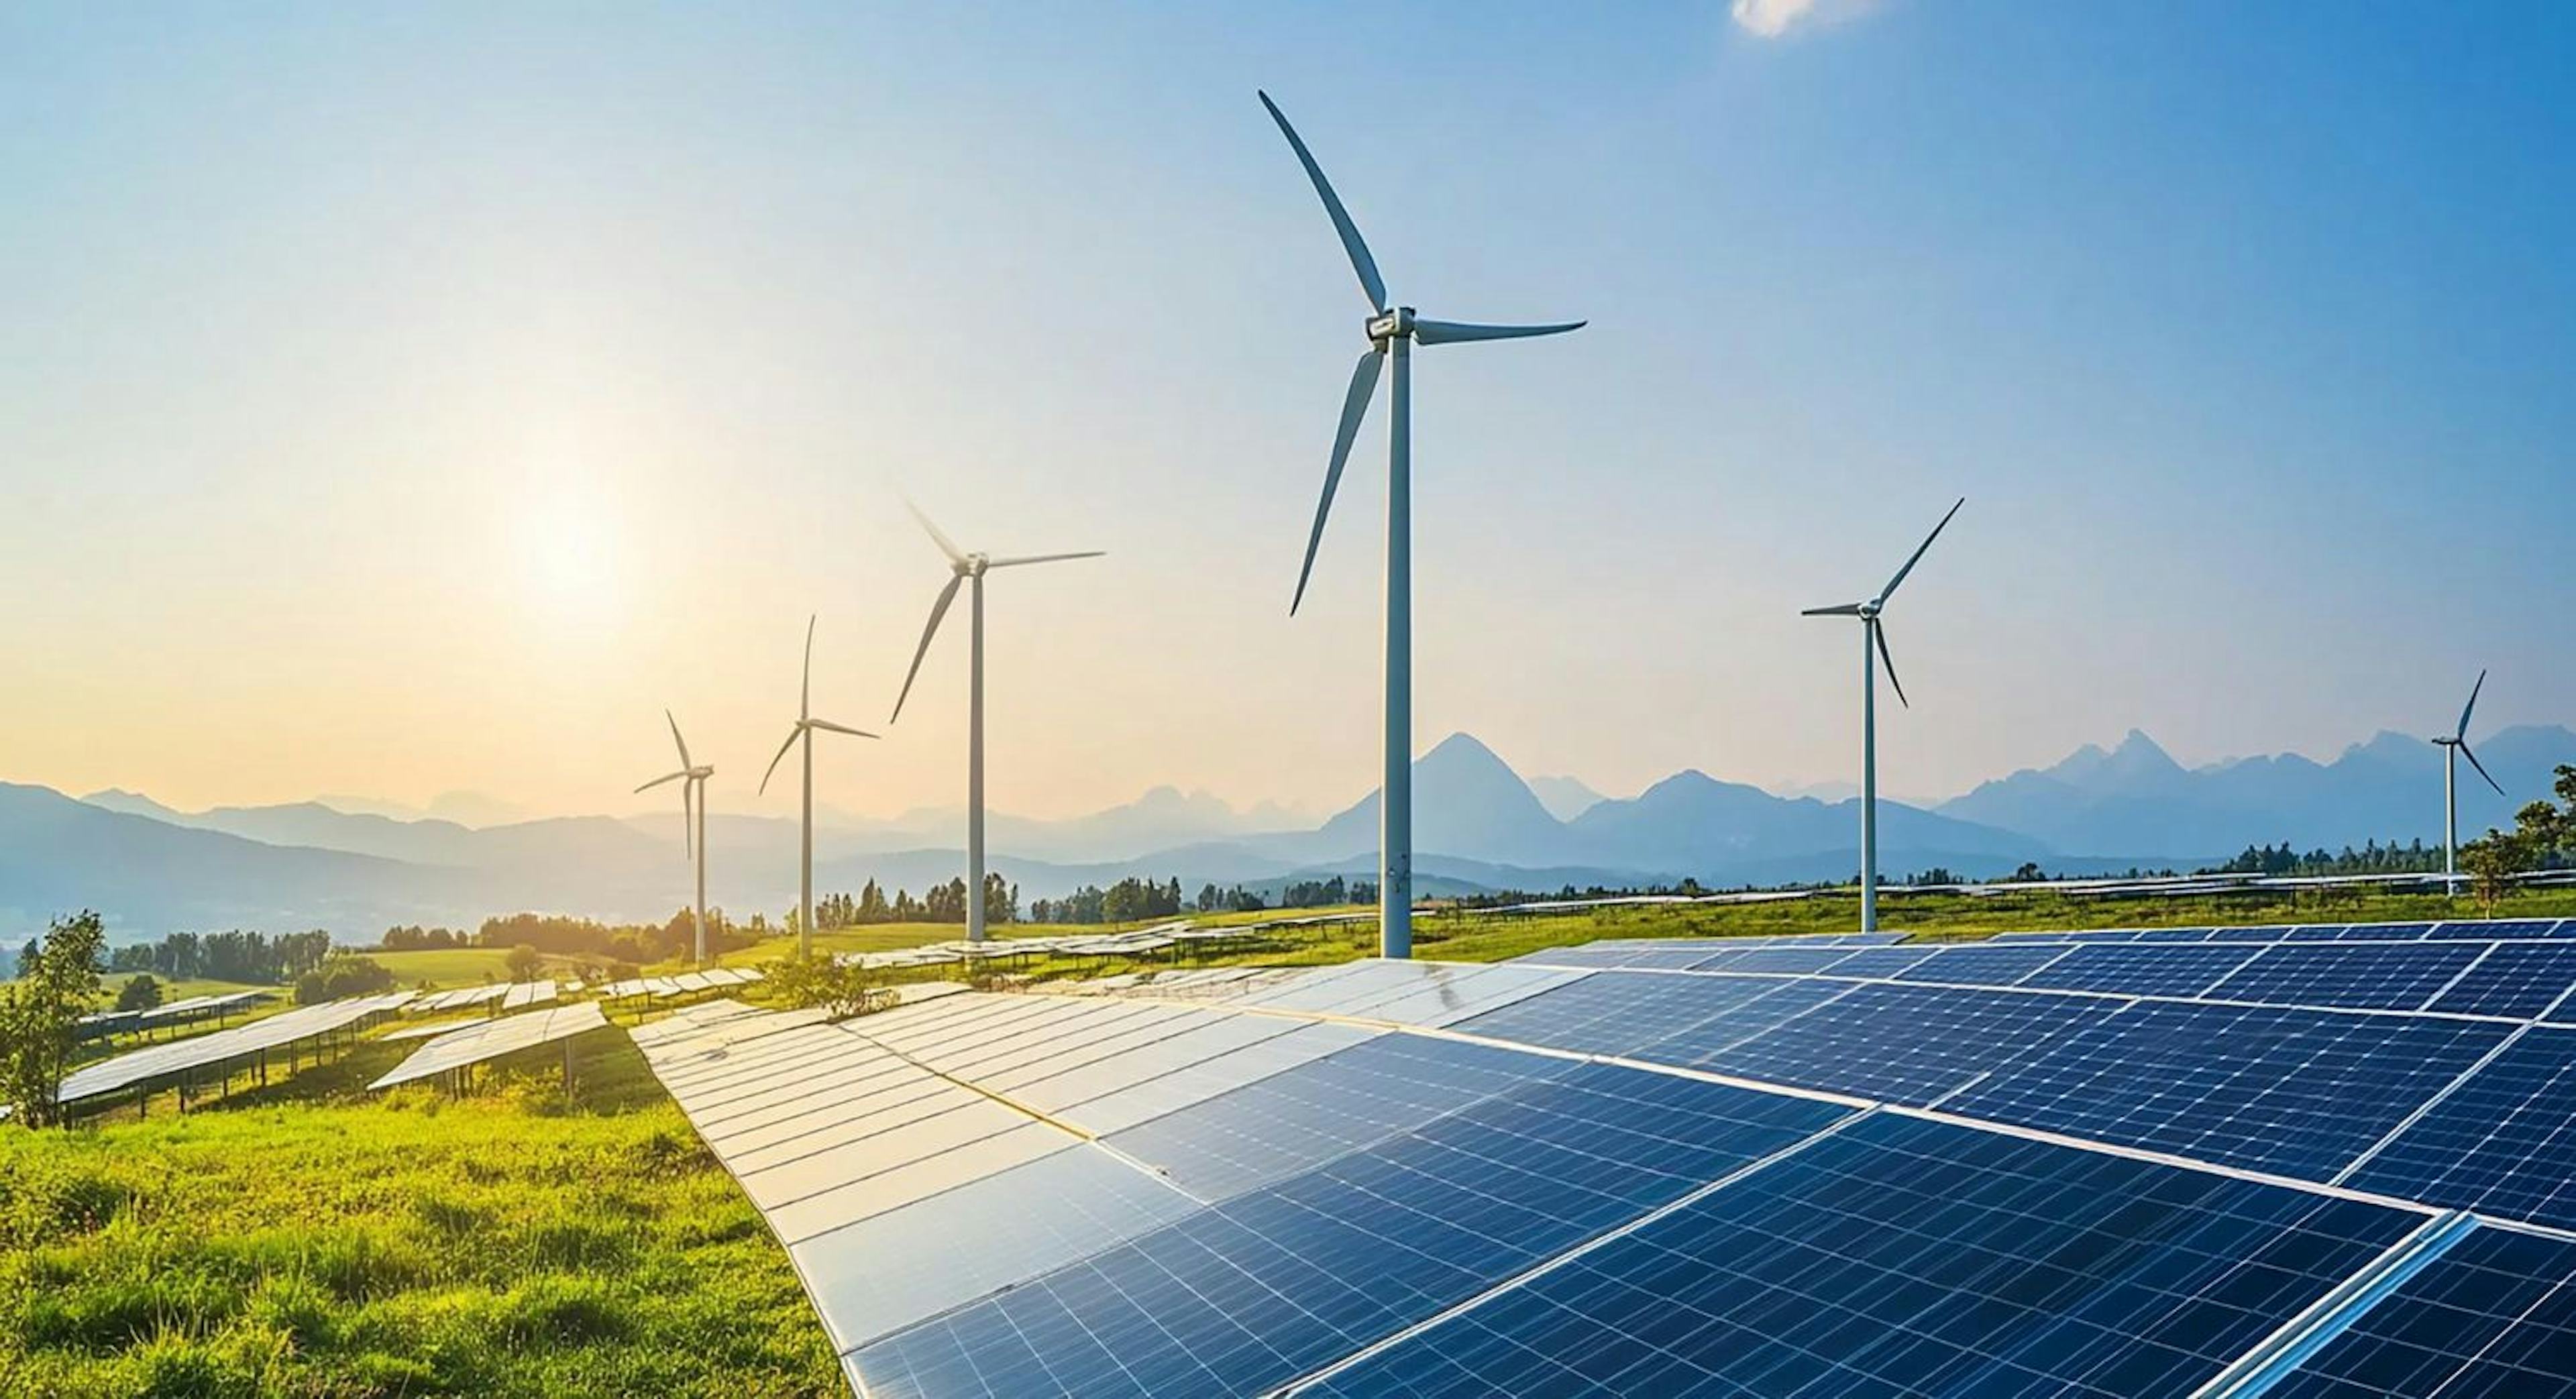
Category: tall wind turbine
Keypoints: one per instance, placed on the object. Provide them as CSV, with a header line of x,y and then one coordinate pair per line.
x,y
692,778
1392,333
2453,747
804,729
1873,649
964,567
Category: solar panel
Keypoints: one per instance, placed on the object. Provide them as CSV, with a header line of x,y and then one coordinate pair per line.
x,y
491,1039
1793,961
2517,979
2503,1142
2131,969
1984,964
1897,1043
2362,975
1619,1013
2493,1317
1901,1256
181,1058
2300,1092
2384,932
2500,928
1277,1283
1878,963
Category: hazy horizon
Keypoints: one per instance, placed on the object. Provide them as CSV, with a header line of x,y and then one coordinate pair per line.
x,y
411,403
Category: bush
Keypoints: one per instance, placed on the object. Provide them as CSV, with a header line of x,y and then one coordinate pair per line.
x,y
341,976
842,988
139,993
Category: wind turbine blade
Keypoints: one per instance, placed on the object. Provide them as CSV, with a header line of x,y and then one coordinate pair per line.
x,y
2482,769
829,727
1848,609
1354,407
1890,589
2462,732
805,693
946,545
675,738
938,610
1878,634
688,822
782,755
1044,558
1451,332
1361,262
658,781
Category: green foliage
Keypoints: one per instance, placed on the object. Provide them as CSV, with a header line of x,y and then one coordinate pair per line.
x,y
250,958
842,988
342,975
2493,859
140,992
40,1013
523,962
396,1246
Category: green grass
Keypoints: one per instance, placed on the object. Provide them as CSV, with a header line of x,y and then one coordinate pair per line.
x,y
445,967
308,1240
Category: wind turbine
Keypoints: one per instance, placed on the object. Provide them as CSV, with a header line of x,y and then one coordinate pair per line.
x,y
804,729
2453,748
693,812
1873,649
1392,333
963,567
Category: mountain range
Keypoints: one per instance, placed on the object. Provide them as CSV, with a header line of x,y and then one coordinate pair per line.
x,y
1478,825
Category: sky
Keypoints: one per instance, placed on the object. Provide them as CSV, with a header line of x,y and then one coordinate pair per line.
x,y
404,400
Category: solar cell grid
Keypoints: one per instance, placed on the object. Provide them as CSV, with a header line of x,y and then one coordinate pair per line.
x,y
2493,1317
1897,1043
1171,1091
2132,970
1878,963
1618,1013
1257,1291
1739,1018
1792,961
2496,928
2502,1143
1984,964
2385,932
1900,1256
2516,979
2363,975
2299,1092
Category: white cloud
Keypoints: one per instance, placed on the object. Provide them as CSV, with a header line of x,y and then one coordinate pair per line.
x,y
1772,18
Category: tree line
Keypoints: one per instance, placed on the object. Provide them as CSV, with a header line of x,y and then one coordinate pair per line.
x,y
252,958
2543,838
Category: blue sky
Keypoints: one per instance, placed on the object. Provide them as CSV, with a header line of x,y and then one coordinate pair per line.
x,y
403,400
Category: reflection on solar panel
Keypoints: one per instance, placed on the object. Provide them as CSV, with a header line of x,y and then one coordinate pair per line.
x,y
2132,969
1903,1256
2301,1092
1906,1044
2493,1317
2368,975
491,1039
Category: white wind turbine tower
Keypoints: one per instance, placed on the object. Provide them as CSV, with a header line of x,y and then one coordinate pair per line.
x,y
963,567
1392,333
2453,747
1873,649
693,813
804,729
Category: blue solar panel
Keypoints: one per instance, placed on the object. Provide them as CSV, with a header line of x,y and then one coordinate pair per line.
x,y
2315,932
1906,1257
1897,1043
2493,1317
1272,1285
1618,1012
2131,970
1985,964
2517,979
2178,934
2386,932
1277,1126
1793,961
2300,1092
2363,975
2503,1143
2502,928
1878,963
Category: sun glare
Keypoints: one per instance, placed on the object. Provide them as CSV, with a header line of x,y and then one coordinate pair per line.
x,y
569,558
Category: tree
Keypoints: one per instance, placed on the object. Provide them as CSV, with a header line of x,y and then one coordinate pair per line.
x,y
140,992
843,989
2492,861
40,1014
523,962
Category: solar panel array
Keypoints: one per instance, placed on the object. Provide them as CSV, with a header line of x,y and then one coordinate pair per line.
x,y
490,1039
2106,1165
181,1058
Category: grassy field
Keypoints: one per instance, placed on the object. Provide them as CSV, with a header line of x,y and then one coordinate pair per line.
x,y
310,1241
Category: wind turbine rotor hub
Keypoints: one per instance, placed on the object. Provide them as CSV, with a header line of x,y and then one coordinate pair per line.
x,y
1869,611
1388,325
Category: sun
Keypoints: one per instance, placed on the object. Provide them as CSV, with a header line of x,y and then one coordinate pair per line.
x,y
569,559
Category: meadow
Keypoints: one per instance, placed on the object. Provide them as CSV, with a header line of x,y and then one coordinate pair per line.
x,y
309,1239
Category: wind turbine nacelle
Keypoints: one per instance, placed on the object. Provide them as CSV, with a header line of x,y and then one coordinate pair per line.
x,y
1387,325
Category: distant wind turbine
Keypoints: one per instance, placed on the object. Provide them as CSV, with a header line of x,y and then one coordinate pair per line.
x,y
2454,747
1873,649
1392,332
963,567
804,729
693,812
